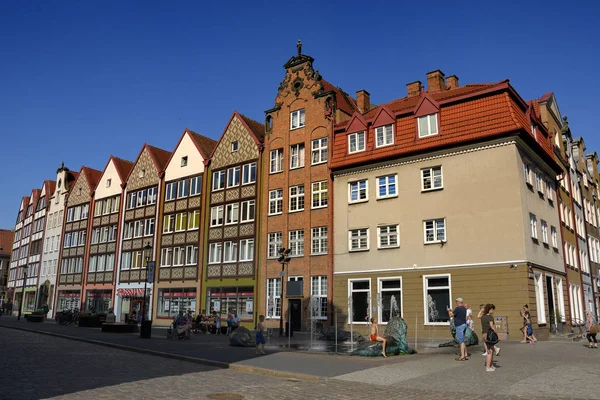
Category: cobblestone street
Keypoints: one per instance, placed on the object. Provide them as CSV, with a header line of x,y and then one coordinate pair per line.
x,y
66,369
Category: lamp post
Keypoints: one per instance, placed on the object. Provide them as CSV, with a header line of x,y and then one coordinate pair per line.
x,y
284,258
22,292
147,251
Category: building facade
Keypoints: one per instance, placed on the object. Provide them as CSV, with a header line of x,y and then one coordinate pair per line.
x,y
182,210
296,211
594,232
20,253
434,200
230,282
107,209
139,230
6,244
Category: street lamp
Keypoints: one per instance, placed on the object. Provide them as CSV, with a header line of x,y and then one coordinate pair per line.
x,y
22,292
284,258
149,272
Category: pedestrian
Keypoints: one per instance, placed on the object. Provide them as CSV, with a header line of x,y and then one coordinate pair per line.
x,y
527,326
10,307
491,337
480,314
260,337
235,321
460,325
217,321
375,335
229,322
592,330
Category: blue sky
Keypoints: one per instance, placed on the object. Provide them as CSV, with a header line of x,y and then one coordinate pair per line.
x,y
103,77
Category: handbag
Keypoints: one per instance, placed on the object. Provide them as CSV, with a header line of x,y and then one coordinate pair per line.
x,y
492,336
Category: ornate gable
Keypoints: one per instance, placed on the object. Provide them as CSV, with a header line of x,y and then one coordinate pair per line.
x,y
247,148
144,172
80,193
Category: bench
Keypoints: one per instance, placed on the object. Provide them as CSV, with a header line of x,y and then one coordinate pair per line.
x,y
119,327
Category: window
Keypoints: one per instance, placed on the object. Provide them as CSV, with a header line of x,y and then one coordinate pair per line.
x,y
152,196
97,208
296,243
273,298
386,186
387,237
166,257
359,309
437,299
216,216
248,210
319,241
296,198
435,230
193,220
249,173
527,174
276,161
544,232
539,298
180,222
149,227
390,296
168,224
297,156
141,198
275,201
215,252
358,239
178,256
533,226
218,180
561,298
274,244
357,191
233,177
297,119
183,188
554,237
246,249
428,125
138,229
431,178
319,194
126,260
539,182
318,291
550,192
232,214
384,135
235,145
356,142
67,240
195,185
319,151
230,252
184,161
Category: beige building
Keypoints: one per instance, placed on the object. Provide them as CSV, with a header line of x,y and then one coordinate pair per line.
x,y
434,201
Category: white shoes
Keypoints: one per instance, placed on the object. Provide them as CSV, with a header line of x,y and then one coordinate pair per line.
x,y
484,353
491,369
497,351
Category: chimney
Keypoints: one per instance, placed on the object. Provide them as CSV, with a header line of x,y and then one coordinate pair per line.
x,y
363,99
435,81
452,82
414,88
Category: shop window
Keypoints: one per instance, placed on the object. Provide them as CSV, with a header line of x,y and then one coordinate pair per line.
x,y
437,299
359,310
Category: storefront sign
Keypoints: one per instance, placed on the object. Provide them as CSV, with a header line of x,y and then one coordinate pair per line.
x,y
179,294
133,292
249,306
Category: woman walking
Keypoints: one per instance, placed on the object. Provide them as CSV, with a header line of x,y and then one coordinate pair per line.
x,y
491,336
592,331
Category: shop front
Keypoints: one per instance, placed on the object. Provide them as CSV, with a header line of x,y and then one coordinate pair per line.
x,y
129,302
68,300
98,301
231,299
173,300
29,303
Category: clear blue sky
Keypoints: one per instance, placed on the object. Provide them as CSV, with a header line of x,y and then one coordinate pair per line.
x,y
103,77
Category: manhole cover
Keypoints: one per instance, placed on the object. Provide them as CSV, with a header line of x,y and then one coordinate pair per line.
x,y
225,396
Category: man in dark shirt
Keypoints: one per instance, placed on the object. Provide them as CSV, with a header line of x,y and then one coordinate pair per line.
x,y
460,324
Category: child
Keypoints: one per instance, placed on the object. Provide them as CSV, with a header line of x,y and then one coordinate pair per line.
x,y
260,337
218,323
470,323
375,335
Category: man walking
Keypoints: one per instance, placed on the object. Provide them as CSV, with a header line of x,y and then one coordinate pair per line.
x,y
460,324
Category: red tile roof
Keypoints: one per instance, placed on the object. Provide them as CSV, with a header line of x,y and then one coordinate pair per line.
x,y
6,241
72,178
467,114
50,188
343,100
204,144
92,175
35,196
123,167
159,156
255,128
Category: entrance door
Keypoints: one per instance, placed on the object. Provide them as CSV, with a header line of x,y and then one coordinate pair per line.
x,y
136,305
296,314
550,291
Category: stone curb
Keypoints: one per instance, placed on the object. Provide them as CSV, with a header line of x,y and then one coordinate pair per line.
x,y
203,361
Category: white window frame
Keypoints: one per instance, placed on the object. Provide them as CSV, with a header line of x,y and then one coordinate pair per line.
x,y
318,152
432,178
527,174
245,254
384,181
215,253
539,283
388,234
554,236
436,239
533,226
358,191
215,210
296,242
232,174
380,290
322,194
191,255
184,161
245,208
230,252
318,235
300,116
356,137
219,181
430,131
317,281
297,156
247,173
544,232
272,296
561,298
232,208
273,244
276,161
360,237
168,224
369,306
235,146
298,196
178,256
425,306
166,257
277,201
386,136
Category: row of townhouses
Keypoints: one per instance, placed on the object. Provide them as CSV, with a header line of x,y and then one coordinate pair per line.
x,y
390,209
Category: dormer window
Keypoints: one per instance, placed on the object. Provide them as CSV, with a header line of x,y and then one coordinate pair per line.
x,y
428,125
356,142
384,135
235,146
297,119
108,182
184,161
534,131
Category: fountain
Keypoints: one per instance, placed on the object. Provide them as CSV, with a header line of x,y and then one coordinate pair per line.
x,y
395,333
